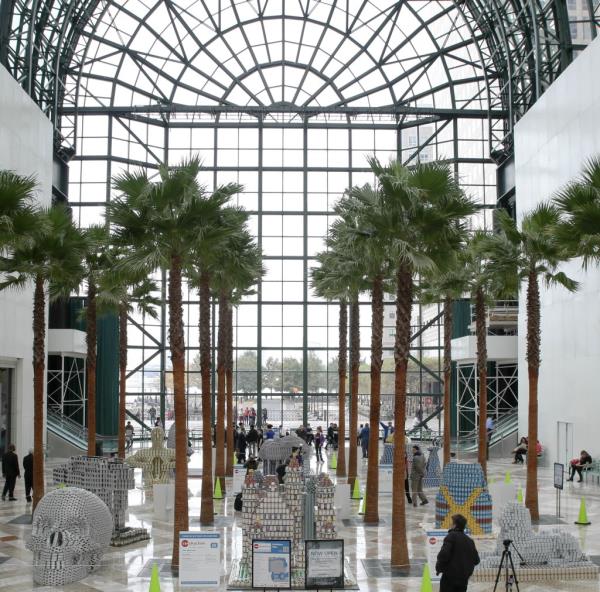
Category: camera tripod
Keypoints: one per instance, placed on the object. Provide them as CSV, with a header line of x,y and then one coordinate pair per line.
x,y
506,564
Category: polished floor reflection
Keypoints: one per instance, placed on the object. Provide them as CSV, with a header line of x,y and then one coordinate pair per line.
x,y
126,568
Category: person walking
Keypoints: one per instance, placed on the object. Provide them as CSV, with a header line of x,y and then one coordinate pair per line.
x,y
270,433
364,440
28,474
241,447
10,472
457,558
252,440
416,476
152,414
406,486
360,428
129,431
319,444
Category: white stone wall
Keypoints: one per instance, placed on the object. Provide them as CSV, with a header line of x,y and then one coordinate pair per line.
x,y
551,143
26,148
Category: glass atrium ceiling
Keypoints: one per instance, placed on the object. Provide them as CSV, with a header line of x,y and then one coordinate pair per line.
x,y
300,56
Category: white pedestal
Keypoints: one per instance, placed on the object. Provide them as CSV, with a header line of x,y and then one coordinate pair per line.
x,y
385,478
341,500
164,501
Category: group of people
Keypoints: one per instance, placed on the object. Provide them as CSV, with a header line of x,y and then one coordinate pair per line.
x,y
11,472
522,448
247,417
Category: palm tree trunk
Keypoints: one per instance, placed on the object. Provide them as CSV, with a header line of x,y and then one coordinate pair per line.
x,y
481,332
533,368
447,375
91,338
342,364
354,369
221,371
177,346
122,375
39,378
404,296
206,510
229,380
372,509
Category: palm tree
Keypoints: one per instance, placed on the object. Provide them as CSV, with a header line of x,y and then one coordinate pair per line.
x,y
486,282
156,222
358,232
445,286
123,292
329,282
426,210
51,259
218,227
18,214
238,267
95,264
529,254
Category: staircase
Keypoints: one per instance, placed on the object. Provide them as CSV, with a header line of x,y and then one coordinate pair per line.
x,y
503,437
66,437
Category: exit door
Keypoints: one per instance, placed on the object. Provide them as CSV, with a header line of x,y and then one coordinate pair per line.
x,y
564,442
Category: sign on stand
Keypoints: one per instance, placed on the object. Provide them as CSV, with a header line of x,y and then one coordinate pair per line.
x,y
434,542
559,475
271,564
239,474
199,559
324,564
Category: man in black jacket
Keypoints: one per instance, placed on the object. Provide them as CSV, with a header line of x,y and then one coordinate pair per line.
x,y
457,558
10,472
28,473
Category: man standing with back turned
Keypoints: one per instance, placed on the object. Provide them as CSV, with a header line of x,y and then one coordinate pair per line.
x,y
457,558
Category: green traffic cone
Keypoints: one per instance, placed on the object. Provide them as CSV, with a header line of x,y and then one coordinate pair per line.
x,y
582,520
333,461
218,494
356,491
426,585
154,579
507,477
520,495
363,504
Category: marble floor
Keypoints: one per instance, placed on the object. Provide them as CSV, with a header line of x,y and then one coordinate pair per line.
x,y
126,568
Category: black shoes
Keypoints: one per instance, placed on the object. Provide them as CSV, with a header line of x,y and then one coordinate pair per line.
x,y
28,499
425,502
12,499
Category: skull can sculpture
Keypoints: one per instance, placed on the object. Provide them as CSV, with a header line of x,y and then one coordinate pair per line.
x,y
71,530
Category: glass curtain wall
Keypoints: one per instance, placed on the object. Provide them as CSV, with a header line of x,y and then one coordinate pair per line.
x,y
293,172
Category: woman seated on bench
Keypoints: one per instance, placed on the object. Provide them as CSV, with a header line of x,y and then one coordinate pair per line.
x,y
579,464
520,450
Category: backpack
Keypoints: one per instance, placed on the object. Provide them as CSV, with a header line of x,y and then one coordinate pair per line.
x,y
237,504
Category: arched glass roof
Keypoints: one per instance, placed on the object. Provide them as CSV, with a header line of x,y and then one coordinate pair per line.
x,y
300,56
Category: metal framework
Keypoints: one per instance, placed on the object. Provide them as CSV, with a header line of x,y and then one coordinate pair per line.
x,y
286,97
502,394
66,385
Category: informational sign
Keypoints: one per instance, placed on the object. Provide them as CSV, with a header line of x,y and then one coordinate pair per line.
x,y
239,474
199,559
271,564
434,542
324,565
559,475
